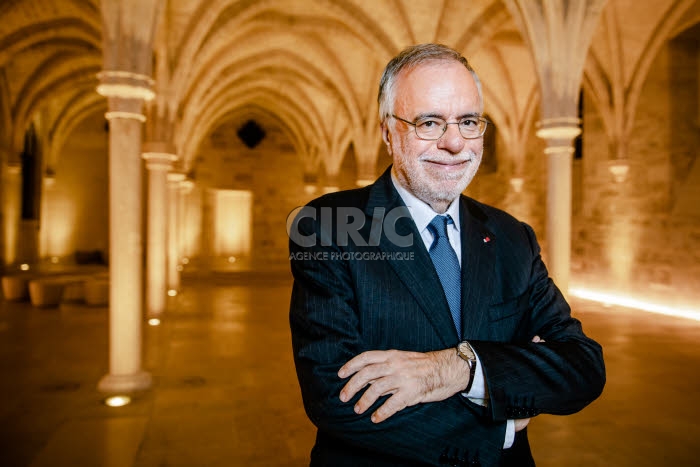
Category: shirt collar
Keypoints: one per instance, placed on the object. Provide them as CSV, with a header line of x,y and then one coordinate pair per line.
x,y
421,212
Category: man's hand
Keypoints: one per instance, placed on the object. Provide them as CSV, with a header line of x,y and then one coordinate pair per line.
x,y
411,378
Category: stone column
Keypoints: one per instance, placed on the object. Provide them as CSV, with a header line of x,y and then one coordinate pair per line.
x,y
126,92
158,165
12,197
558,33
559,135
174,182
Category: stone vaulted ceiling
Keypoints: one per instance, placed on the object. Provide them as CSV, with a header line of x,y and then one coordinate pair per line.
x,y
313,65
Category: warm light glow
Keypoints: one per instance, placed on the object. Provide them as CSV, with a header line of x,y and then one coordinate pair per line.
x,y
154,322
231,259
233,223
172,293
59,217
517,183
54,259
309,189
608,299
117,401
191,224
179,268
619,170
24,267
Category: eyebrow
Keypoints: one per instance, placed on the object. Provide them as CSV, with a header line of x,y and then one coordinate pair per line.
x,y
437,115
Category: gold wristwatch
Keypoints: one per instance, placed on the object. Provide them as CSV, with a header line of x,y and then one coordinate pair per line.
x,y
466,353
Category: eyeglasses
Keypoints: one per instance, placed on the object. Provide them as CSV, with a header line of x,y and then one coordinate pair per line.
x,y
432,128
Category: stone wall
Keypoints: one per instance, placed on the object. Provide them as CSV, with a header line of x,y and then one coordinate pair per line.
x,y
75,210
272,171
627,237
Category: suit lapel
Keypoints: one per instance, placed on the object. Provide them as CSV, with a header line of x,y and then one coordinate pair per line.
x,y
478,268
418,273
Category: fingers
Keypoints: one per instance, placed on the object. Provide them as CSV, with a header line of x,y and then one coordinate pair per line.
x,y
382,373
376,389
366,369
390,407
537,339
362,360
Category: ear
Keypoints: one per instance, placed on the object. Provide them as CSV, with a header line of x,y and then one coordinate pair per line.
x,y
386,137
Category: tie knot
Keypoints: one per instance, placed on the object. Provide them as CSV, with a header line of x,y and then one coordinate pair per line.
x,y
438,226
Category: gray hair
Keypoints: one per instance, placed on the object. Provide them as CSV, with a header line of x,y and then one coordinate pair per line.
x,y
411,57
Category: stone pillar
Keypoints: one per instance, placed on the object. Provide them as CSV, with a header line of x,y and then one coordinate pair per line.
x,y
174,183
126,92
559,135
558,33
206,247
12,197
158,165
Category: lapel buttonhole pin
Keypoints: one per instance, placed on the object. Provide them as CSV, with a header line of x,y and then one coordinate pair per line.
x,y
487,239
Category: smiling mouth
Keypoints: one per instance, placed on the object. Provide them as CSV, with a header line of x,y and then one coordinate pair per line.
x,y
448,163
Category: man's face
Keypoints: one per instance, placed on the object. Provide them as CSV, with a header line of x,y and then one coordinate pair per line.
x,y
436,172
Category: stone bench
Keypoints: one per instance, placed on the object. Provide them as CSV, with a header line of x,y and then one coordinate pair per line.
x,y
15,287
49,291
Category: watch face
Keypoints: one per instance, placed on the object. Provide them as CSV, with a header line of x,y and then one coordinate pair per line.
x,y
466,350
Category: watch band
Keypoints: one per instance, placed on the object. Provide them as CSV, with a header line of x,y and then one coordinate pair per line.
x,y
467,354
472,372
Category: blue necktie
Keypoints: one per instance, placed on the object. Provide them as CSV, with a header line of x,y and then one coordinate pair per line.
x,y
447,266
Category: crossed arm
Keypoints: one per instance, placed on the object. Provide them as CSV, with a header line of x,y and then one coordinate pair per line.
x,y
408,403
409,378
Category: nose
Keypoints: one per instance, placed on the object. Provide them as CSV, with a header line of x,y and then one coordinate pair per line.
x,y
451,140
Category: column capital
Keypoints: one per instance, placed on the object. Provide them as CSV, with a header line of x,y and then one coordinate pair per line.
x,y
127,108
125,84
187,184
559,128
176,177
159,160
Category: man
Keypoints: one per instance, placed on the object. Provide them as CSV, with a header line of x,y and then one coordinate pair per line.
x,y
425,328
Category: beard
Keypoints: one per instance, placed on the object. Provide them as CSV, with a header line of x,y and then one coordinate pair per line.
x,y
433,185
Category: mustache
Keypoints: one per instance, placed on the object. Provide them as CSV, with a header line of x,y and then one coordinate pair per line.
x,y
450,159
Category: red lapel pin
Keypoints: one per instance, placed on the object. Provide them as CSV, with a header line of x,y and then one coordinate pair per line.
x,y
487,239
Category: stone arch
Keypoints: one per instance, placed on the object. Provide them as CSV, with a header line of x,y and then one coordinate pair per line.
x,y
67,30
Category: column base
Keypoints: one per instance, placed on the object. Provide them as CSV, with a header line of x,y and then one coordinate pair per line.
x,y
125,383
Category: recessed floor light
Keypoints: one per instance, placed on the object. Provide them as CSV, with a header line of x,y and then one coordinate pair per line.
x,y
117,401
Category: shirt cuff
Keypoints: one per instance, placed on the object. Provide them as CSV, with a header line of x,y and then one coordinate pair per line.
x,y
510,434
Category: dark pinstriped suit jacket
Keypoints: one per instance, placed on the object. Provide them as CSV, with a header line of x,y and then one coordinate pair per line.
x,y
343,305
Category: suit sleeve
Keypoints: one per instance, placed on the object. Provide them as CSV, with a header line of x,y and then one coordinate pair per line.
x,y
325,325
560,376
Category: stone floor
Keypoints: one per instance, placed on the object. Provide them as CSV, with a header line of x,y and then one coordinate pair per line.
x,y
225,393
